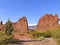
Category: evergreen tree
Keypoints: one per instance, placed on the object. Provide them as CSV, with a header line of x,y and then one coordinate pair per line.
x,y
8,28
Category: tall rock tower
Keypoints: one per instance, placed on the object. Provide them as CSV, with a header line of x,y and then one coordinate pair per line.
x,y
47,22
21,25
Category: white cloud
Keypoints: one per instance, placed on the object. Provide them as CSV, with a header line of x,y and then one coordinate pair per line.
x,y
59,22
31,24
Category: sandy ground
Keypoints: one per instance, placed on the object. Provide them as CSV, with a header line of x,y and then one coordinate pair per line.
x,y
47,41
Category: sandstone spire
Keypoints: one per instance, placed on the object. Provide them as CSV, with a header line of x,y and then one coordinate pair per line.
x,y
21,25
47,22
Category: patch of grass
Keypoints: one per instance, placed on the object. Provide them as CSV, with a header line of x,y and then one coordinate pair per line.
x,y
6,39
40,35
56,35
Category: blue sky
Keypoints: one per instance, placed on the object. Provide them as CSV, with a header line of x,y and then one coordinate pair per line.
x,y
32,9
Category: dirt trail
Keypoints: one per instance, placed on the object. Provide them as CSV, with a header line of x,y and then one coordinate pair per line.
x,y
47,41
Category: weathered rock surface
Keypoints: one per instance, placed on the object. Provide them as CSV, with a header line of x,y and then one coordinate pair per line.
x,y
21,25
20,36
47,22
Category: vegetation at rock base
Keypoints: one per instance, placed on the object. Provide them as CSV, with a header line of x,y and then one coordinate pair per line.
x,y
35,34
3,37
6,39
6,35
55,34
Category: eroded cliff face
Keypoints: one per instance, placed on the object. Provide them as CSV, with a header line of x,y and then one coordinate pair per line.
x,y
21,25
47,22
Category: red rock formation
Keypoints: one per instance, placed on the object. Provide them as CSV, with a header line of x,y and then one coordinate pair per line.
x,y
47,22
21,25
21,36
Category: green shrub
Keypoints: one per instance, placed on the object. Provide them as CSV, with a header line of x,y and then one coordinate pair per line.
x,y
56,34
47,34
3,37
35,34
31,32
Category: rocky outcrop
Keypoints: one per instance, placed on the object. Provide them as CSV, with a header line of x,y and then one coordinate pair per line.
x,y
21,36
47,22
21,25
